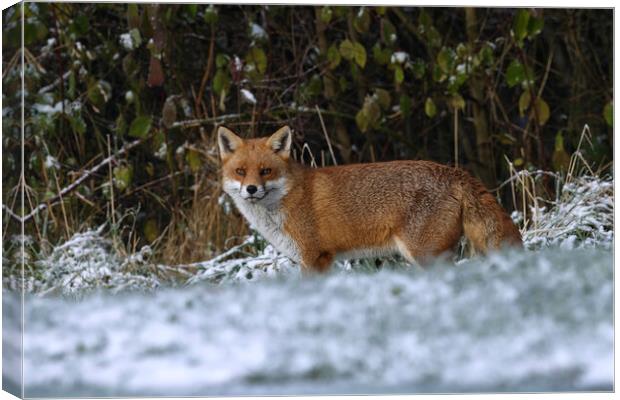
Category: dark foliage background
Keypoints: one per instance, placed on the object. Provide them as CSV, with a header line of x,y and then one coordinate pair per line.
x,y
469,86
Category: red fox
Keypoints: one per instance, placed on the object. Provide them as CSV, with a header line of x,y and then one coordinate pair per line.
x,y
314,216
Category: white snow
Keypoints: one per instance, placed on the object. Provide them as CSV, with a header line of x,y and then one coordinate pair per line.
x,y
48,109
509,322
257,32
248,96
126,41
162,152
238,63
399,57
51,162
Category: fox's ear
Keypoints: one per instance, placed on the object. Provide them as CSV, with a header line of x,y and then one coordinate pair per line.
x,y
281,141
227,141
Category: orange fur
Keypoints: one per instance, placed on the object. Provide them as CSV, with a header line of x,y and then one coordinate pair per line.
x,y
417,208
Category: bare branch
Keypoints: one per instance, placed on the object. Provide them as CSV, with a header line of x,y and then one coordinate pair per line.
x,y
85,175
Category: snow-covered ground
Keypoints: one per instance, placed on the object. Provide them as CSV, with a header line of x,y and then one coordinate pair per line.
x,y
100,324
521,321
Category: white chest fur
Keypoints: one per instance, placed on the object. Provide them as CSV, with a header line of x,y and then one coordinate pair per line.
x,y
270,224
266,216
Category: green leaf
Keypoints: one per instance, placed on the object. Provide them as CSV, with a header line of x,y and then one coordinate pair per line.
x,y
256,57
78,124
221,60
389,31
361,23
515,74
381,56
405,105
71,90
608,113
399,74
438,75
434,37
193,160
333,57
192,9
34,32
524,102
457,102
360,54
418,68
353,51
542,111
221,81
446,59
314,87
80,25
151,230
535,26
211,15
486,55
520,24
99,93
461,51
361,120
120,125
384,98
123,176
424,20
135,37
560,157
368,115
346,49
429,107
140,126
326,14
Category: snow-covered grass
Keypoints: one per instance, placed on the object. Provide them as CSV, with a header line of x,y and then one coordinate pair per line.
x,y
582,216
518,321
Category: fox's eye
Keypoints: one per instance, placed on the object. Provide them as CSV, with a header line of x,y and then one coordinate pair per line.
x,y
265,171
240,171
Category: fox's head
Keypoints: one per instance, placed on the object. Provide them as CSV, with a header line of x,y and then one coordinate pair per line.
x,y
255,170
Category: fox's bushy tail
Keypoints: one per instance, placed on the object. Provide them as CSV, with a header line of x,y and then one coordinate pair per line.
x,y
485,223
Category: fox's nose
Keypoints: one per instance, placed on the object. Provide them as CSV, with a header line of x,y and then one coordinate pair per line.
x,y
251,189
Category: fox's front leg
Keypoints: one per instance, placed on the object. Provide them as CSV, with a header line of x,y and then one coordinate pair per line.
x,y
316,261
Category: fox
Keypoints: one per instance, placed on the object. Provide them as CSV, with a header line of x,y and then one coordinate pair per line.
x,y
315,216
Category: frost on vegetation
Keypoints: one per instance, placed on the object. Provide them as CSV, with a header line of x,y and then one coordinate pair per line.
x,y
126,41
248,96
88,261
234,265
257,32
49,109
51,162
582,216
162,151
399,57
131,40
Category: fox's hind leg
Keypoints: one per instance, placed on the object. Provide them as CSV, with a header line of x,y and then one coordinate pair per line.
x,y
423,253
439,237
319,262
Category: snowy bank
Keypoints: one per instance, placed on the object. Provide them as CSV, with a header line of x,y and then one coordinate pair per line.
x,y
520,321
